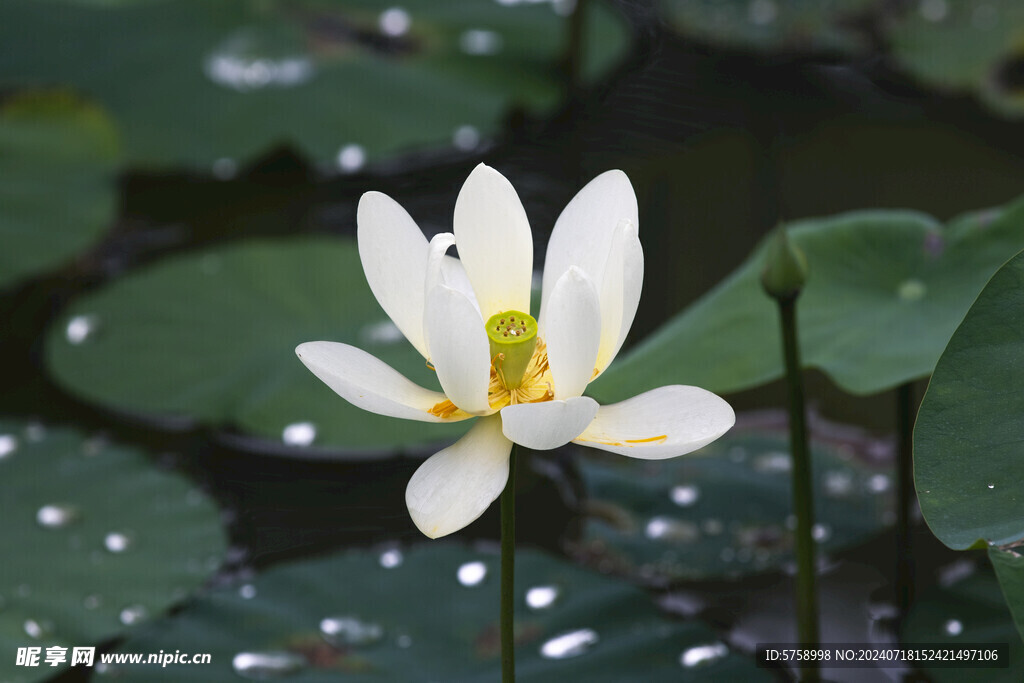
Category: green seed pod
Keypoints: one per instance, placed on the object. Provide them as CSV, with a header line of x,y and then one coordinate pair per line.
x,y
513,337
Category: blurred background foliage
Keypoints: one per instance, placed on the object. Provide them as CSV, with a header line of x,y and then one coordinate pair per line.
x,y
178,182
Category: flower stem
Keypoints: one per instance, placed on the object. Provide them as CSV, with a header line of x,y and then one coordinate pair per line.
x,y
803,492
906,498
508,568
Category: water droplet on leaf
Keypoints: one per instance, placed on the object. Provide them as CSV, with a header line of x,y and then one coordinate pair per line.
x,y
37,628
254,58
472,573
350,631
394,22
299,434
117,542
571,644
57,515
267,665
703,655
80,328
466,138
674,530
685,496
389,559
351,158
133,614
542,597
8,444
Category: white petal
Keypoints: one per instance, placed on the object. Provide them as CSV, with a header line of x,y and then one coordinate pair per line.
x,y
584,232
620,292
547,425
661,423
439,246
495,244
572,331
369,383
454,486
458,348
393,251
446,270
455,277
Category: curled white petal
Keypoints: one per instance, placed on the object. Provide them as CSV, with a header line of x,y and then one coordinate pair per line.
x,y
547,425
393,252
454,486
454,275
458,348
621,283
436,250
584,232
446,270
495,244
661,423
369,383
572,331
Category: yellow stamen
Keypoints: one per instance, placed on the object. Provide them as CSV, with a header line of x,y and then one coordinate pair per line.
x,y
444,409
535,387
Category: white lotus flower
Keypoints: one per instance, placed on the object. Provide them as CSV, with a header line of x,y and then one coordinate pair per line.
x,y
521,379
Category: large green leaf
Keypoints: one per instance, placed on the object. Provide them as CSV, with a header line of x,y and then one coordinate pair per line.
x,y
963,46
966,610
194,81
430,613
727,511
57,193
94,539
1009,566
969,437
886,290
211,336
773,25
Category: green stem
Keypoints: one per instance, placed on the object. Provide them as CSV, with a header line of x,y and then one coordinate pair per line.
x,y
906,497
803,492
508,569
